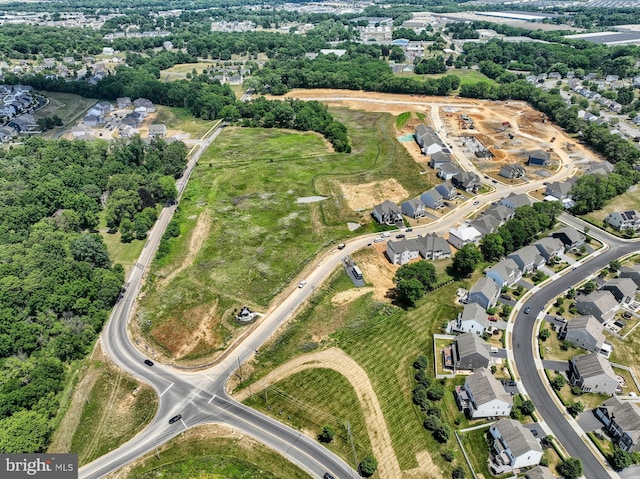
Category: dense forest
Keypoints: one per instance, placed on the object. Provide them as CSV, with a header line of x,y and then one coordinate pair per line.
x,y
57,283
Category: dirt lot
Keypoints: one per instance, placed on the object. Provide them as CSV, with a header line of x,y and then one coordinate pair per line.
x,y
365,196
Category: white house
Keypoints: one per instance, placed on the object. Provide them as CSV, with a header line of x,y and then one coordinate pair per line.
x,y
472,319
514,446
484,292
483,396
504,273
459,237
624,220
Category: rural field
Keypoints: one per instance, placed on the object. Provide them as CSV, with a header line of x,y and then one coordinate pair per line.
x,y
245,238
69,107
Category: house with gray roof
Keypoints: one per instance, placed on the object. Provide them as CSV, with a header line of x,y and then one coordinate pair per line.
x,y
624,220
157,130
124,102
388,213
601,304
586,332
539,472
447,191
448,171
514,446
549,247
427,140
401,252
470,352
413,208
485,292
23,123
623,289
148,105
622,422
466,180
485,224
433,247
600,168
559,189
632,272
528,258
432,199
438,159
472,319
514,201
482,395
430,247
501,212
504,273
570,237
593,373
512,171
538,158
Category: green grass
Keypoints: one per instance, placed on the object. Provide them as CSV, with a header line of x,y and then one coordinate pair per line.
x,y
180,70
402,119
111,415
477,448
70,108
126,254
181,119
215,457
260,238
467,76
624,202
312,399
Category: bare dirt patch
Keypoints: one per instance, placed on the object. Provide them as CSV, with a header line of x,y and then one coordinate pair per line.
x,y
366,195
345,297
199,235
377,270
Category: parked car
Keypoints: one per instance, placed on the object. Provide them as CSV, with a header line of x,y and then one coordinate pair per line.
x,y
476,202
409,230
175,418
328,476
505,296
341,246
400,236
148,362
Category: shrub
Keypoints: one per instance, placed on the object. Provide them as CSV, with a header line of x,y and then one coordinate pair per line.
x,y
368,466
570,468
442,433
458,473
421,362
327,434
435,392
431,423
448,455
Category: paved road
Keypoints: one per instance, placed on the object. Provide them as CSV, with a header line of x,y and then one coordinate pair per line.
x,y
200,396
524,354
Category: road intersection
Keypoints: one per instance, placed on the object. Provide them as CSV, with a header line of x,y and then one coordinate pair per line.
x,y
201,397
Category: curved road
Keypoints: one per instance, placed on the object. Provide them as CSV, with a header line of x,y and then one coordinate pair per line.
x,y
200,397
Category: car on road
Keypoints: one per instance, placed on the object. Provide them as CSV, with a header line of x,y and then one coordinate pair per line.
x,y
527,310
494,181
378,240
175,418
409,230
486,177
302,283
341,246
328,476
148,362
476,202
400,236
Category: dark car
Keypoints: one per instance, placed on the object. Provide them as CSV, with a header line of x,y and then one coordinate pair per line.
x,y
328,476
148,362
534,432
527,310
409,230
399,236
494,181
175,418
505,296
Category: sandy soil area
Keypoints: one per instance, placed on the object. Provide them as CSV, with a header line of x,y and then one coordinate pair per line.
x,y
381,445
365,196
346,297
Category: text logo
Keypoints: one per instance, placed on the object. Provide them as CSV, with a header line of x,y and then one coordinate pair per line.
x,y
43,466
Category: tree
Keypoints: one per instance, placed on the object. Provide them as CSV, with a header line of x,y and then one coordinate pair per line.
x,y
527,407
614,265
368,466
589,287
408,291
327,434
558,382
458,473
492,247
575,408
423,271
442,433
570,468
544,334
24,432
435,392
620,459
421,362
466,260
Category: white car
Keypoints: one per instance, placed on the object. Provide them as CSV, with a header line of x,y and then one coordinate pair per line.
x,y
302,283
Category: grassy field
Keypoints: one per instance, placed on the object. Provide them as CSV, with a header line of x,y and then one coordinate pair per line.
x,y
312,399
467,77
260,238
180,70
126,254
625,202
476,445
116,409
402,119
70,108
203,453
181,119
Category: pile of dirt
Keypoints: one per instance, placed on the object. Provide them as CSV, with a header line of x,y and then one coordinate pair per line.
x,y
365,196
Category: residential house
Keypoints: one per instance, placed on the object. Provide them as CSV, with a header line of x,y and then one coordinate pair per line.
x,y
559,189
413,208
133,119
555,76
92,120
466,180
625,220
470,352
104,107
549,247
485,224
482,395
601,304
80,130
401,252
501,212
124,102
539,472
623,289
622,422
127,131
514,201
439,159
512,171
448,171
427,140
586,332
485,292
570,237
432,199
459,237
434,247
600,168
514,446
157,130
388,213
430,247
23,123
472,319
144,103
538,158
632,272
528,258
447,191
504,273
593,373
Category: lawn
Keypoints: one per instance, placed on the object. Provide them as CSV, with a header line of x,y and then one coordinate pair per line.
x,y
180,70
200,453
116,409
625,350
312,399
126,254
477,448
402,119
589,400
554,345
260,238
624,202
70,108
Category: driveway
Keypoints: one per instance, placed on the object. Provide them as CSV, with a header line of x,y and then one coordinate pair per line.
x,y
556,365
588,421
